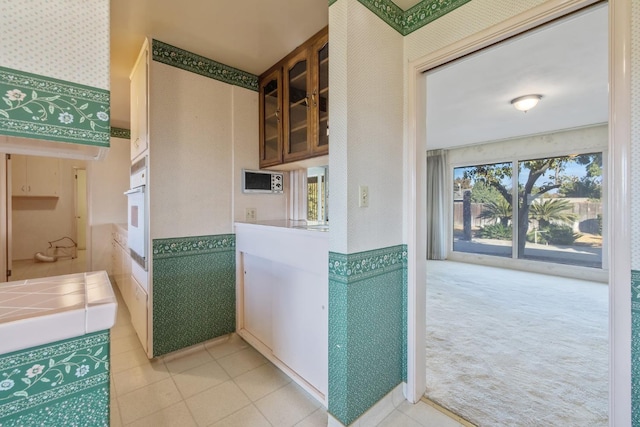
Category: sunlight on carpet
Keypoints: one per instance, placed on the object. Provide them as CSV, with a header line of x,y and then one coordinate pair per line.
x,y
509,348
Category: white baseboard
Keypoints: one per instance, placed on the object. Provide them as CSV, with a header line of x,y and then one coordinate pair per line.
x,y
377,412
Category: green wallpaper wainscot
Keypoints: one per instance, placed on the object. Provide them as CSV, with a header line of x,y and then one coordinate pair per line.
x,y
194,290
635,347
367,328
65,383
41,107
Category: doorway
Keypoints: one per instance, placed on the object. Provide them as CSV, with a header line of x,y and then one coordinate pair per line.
x,y
619,268
81,208
44,200
526,186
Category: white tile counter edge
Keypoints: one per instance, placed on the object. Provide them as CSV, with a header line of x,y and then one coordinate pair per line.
x,y
99,313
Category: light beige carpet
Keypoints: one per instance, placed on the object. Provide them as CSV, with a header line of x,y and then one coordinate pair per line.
x,y
509,348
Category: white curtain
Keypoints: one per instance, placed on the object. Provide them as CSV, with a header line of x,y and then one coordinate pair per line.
x,y
436,204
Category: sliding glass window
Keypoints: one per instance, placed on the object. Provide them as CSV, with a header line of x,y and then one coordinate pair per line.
x,y
482,209
558,214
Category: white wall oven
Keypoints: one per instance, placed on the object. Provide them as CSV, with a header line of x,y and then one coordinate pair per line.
x,y
137,227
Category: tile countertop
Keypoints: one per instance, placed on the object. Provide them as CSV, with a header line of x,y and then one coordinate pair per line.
x,y
40,311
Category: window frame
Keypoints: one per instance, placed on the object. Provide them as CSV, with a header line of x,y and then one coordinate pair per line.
x,y
513,262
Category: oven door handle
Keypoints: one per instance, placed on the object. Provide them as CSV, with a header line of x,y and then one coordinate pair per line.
x,y
135,190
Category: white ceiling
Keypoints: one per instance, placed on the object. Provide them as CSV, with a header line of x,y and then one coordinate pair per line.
x,y
468,101
250,35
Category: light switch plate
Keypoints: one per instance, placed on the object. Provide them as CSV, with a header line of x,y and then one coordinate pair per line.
x,y
250,214
363,199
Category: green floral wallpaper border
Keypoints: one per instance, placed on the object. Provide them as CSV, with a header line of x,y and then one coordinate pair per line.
x,y
169,248
194,290
120,133
40,379
360,266
407,21
367,328
41,107
388,11
174,56
635,347
427,11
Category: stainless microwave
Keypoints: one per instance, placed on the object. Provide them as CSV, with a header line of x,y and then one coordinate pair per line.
x,y
262,181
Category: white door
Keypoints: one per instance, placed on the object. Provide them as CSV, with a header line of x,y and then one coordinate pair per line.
x,y
81,207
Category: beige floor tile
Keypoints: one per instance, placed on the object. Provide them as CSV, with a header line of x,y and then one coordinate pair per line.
x,y
242,361
147,400
249,416
123,344
317,419
200,378
127,360
177,415
261,381
185,360
219,350
217,403
398,419
287,406
114,418
139,376
123,318
427,416
122,331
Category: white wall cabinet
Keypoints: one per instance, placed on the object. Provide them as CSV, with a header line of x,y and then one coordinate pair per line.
x,y
138,308
121,262
139,104
283,299
258,290
134,295
35,176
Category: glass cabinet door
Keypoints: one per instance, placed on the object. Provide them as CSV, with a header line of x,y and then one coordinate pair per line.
x,y
321,101
297,103
270,136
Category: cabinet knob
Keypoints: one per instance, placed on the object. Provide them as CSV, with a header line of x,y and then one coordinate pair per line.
x,y
313,98
278,114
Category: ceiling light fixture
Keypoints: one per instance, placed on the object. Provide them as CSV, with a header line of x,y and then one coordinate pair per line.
x,y
526,102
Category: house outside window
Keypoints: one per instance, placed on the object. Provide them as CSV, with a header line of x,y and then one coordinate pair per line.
x,y
550,210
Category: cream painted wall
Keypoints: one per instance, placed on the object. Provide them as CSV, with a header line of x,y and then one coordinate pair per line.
x,y
107,180
457,25
246,155
190,130
635,134
202,133
585,140
365,74
65,39
37,221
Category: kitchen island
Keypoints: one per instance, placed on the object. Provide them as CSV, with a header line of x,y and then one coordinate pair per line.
x,y
54,350
282,297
